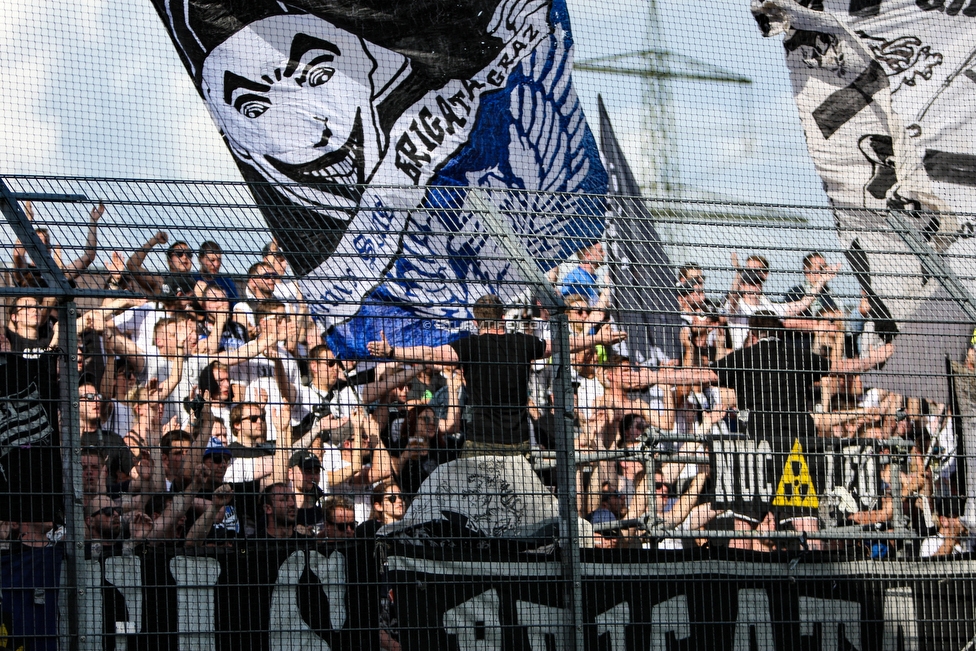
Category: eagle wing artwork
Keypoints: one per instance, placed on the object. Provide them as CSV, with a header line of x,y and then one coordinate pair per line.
x,y
361,127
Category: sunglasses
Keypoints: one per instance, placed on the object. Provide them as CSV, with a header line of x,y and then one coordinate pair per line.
x,y
181,253
392,498
254,418
91,396
108,510
658,485
342,526
328,362
220,458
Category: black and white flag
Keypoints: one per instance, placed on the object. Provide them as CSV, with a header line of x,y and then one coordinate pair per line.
x,y
885,94
644,296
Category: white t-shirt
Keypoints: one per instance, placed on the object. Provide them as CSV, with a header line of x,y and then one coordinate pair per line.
x,y
361,495
138,324
341,403
588,391
739,320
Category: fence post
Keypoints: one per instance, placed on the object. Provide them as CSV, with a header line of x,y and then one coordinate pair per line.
x,y
71,447
562,390
59,287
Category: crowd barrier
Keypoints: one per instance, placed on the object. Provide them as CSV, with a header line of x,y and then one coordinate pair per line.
x,y
658,499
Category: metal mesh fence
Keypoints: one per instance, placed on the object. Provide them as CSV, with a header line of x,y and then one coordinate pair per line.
x,y
707,426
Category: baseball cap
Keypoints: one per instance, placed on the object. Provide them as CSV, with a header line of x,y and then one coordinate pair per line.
x,y
216,446
305,460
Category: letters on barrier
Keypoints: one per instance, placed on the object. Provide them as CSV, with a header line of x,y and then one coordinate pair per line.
x,y
327,597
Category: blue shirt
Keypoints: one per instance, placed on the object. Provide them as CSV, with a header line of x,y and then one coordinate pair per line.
x,y
582,282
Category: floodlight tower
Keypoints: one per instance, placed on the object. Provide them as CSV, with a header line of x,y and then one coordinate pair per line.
x,y
656,66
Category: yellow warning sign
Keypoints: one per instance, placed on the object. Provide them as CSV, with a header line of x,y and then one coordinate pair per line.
x,y
796,485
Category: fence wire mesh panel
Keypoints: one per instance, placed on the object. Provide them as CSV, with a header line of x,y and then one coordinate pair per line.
x,y
488,324
708,423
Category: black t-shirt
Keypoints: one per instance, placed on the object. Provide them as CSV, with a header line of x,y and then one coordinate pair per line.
x,y
30,455
312,515
774,380
31,348
496,371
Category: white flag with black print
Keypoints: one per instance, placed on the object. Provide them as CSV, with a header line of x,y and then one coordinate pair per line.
x,y
885,91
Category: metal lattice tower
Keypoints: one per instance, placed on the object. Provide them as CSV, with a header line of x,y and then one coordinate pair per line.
x,y
656,66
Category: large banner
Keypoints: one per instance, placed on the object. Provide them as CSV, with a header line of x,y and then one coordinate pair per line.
x,y
665,601
884,90
326,105
645,298
429,594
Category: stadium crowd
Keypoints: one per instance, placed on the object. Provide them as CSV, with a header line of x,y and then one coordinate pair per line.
x,y
213,411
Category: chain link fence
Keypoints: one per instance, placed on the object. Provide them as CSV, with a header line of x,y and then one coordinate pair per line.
x,y
707,427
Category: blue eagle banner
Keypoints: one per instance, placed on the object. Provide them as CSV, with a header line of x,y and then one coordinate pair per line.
x,y
361,126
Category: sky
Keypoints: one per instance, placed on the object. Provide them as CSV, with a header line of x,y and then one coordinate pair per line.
x,y
94,88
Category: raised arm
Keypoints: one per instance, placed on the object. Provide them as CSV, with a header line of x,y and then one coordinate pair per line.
x,y
222,496
424,354
150,282
875,357
389,376
451,423
605,336
799,307
75,267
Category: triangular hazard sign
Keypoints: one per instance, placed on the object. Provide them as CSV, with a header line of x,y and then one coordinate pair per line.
x,y
796,485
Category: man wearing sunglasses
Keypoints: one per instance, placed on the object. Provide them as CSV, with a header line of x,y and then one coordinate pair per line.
x,y
327,401
118,456
179,261
340,518
103,519
261,282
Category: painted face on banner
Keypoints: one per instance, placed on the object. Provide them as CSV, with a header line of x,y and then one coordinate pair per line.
x,y
296,98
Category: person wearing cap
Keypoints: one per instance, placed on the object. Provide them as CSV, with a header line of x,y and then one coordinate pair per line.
x,y
305,472
215,513
210,258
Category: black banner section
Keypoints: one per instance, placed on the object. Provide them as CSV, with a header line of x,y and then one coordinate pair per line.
x,y
294,594
645,300
950,167
844,104
864,8
673,602
448,595
30,455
